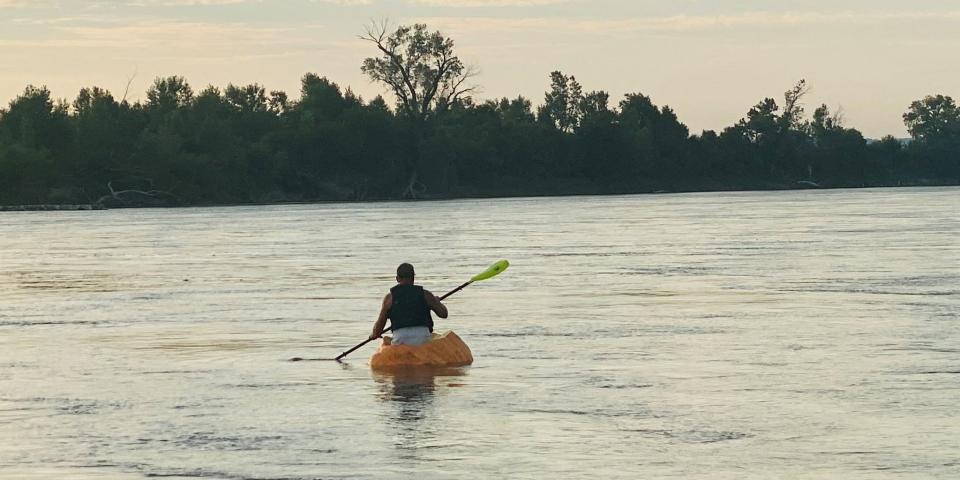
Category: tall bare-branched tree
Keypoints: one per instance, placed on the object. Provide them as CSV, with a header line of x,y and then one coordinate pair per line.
x,y
424,74
419,66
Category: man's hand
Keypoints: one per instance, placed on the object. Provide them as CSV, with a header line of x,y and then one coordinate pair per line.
x,y
374,336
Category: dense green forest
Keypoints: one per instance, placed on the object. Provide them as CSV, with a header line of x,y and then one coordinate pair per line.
x,y
242,144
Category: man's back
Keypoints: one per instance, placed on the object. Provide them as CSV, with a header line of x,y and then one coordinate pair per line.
x,y
409,308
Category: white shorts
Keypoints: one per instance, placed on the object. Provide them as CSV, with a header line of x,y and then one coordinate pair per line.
x,y
411,336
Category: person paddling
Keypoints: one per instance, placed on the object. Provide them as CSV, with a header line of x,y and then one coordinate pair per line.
x,y
408,307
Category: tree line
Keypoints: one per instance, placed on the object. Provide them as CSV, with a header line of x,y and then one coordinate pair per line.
x,y
243,144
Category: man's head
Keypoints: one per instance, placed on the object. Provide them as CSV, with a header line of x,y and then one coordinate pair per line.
x,y
405,273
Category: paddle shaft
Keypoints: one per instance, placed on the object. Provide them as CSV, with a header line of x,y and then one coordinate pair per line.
x,y
348,352
455,290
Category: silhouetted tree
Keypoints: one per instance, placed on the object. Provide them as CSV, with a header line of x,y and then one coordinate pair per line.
x,y
934,123
777,138
426,77
839,153
562,104
933,118
169,94
419,66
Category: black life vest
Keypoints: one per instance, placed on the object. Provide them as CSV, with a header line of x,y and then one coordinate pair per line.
x,y
409,308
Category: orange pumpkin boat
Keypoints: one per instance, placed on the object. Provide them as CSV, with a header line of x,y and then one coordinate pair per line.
x,y
443,350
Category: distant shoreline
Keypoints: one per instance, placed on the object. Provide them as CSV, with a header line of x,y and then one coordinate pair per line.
x,y
240,146
92,207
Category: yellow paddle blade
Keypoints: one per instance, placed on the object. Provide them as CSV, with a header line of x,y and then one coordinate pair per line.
x,y
493,271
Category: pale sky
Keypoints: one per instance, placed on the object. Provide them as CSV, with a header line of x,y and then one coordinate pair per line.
x,y
711,60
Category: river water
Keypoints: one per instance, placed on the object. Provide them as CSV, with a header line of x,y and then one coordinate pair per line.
x,y
807,334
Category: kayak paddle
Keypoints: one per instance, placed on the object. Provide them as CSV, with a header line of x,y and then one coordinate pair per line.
x,y
490,272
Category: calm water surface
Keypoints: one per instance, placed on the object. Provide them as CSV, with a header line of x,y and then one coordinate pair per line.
x,y
723,335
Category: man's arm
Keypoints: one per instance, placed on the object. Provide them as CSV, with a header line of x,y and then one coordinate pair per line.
x,y
439,308
382,319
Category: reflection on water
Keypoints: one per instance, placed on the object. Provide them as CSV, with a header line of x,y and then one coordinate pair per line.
x,y
413,389
411,393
